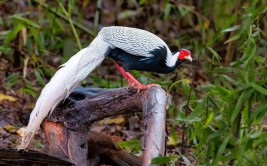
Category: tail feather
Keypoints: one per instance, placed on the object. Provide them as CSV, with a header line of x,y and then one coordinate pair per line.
x,y
63,82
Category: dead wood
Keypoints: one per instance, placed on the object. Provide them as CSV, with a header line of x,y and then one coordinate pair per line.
x,y
10,157
68,137
154,110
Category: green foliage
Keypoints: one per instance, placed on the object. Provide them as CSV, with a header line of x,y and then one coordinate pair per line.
x,y
133,145
224,121
224,124
163,159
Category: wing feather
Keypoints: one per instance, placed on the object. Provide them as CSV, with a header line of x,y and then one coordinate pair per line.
x,y
132,40
77,68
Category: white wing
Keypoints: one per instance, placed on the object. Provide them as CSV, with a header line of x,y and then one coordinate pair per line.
x,y
134,41
64,81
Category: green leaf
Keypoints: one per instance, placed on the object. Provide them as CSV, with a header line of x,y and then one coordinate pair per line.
x,y
259,88
233,28
39,78
38,38
176,82
214,53
227,22
37,144
142,2
244,96
13,34
184,10
6,50
224,70
1,21
235,37
259,113
209,119
261,140
186,160
28,91
68,50
125,14
220,132
162,159
188,119
133,145
229,79
128,143
25,20
167,11
222,91
13,79
221,149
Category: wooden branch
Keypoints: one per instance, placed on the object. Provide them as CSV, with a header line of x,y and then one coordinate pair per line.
x,y
68,138
106,150
14,157
82,109
154,108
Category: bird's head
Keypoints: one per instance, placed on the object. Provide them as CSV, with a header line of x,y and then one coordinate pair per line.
x,y
184,54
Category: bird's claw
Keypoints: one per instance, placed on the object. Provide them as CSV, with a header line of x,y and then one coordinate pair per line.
x,y
151,85
140,87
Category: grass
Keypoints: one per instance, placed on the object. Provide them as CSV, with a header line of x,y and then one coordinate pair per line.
x,y
224,122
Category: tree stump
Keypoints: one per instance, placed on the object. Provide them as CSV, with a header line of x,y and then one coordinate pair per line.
x,y
67,128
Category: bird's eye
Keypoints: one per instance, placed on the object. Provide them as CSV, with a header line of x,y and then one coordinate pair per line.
x,y
182,53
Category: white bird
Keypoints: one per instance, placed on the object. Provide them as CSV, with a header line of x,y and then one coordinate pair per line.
x,y
131,48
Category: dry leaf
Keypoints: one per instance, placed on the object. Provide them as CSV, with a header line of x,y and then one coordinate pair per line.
x,y
21,131
24,35
7,97
10,128
117,120
171,141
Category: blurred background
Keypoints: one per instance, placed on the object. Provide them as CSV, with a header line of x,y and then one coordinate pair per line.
x,y
219,102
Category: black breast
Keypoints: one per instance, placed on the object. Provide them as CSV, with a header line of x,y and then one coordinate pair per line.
x,y
157,63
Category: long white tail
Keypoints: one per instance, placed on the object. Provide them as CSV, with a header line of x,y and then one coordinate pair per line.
x,y
64,81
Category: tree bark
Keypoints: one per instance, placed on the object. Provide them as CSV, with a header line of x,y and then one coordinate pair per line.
x,y
10,156
154,109
68,137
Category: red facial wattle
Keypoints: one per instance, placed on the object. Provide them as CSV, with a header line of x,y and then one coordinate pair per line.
x,y
183,54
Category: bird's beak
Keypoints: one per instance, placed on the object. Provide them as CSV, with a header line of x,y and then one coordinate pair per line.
x,y
188,58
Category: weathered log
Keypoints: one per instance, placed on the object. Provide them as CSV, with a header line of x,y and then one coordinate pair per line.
x,y
154,109
101,149
10,156
108,152
84,106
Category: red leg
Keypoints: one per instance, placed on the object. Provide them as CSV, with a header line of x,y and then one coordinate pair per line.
x,y
131,80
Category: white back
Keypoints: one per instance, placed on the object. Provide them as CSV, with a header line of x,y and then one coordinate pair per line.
x,y
134,41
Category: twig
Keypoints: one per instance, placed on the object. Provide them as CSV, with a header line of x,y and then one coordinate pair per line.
x,y
188,100
79,26
97,13
71,24
193,80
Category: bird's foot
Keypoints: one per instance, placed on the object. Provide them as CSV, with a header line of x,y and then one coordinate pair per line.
x,y
139,86
132,81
